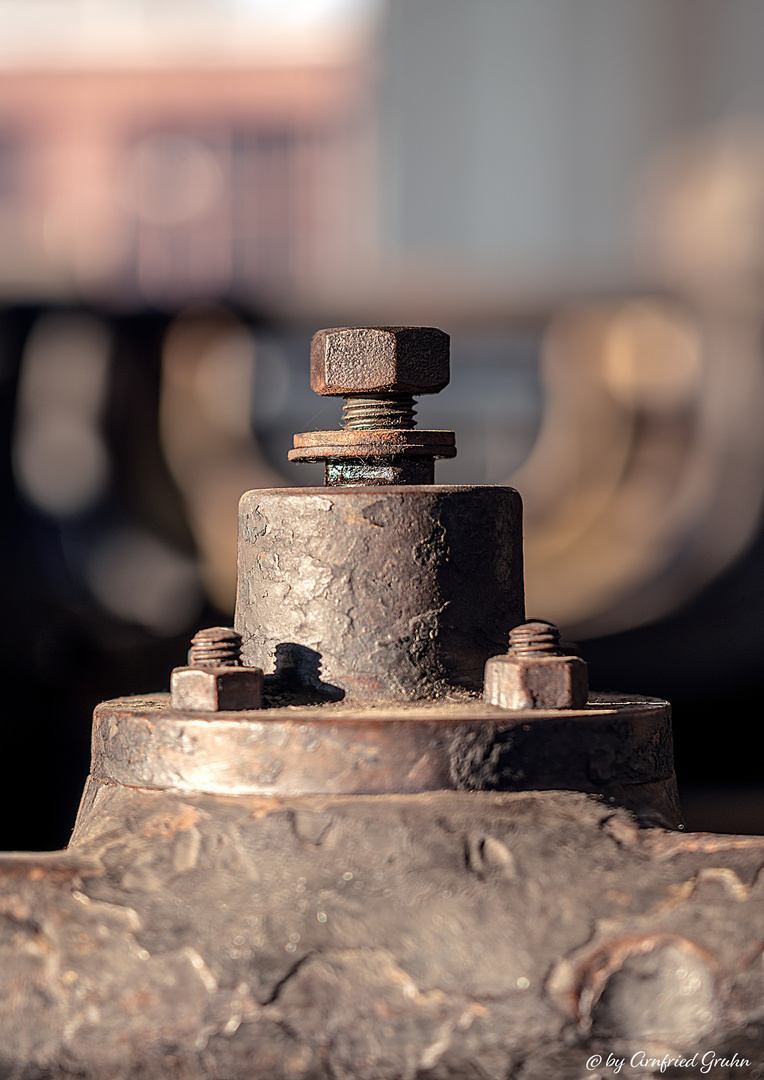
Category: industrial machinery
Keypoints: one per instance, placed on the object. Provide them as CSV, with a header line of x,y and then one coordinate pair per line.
x,y
380,829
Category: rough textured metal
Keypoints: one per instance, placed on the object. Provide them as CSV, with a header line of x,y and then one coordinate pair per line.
x,y
368,359
411,937
382,472
213,687
534,637
385,593
541,682
370,411
535,674
619,748
390,442
375,457
377,369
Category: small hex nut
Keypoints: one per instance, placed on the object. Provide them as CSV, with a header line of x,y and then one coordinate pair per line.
x,y
379,359
216,688
536,682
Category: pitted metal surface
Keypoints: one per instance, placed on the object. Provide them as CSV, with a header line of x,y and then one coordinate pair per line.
x,y
609,747
378,370
379,593
434,936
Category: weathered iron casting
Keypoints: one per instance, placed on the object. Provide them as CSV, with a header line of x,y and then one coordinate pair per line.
x,y
336,851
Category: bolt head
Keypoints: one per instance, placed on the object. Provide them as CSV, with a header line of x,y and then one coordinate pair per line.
x,y
216,688
379,359
536,682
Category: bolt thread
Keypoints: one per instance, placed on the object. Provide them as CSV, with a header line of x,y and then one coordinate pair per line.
x,y
364,413
219,645
534,638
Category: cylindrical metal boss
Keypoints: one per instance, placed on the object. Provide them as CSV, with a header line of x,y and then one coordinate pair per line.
x,y
379,593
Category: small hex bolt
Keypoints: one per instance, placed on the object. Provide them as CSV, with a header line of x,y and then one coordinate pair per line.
x,y
214,680
535,673
378,369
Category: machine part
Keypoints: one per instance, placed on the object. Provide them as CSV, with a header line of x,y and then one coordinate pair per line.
x,y
381,361
214,679
216,688
337,888
215,645
615,748
535,673
390,471
378,594
377,443
444,936
377,369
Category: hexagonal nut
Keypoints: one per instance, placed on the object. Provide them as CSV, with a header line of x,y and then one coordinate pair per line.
x,y
536,682
379,359
216,688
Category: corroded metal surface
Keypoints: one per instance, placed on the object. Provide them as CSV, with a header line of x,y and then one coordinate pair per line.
x,y
351,360
388,442
388,457
393,593
377,369
607,748
216,645
535,673
439,936
216,687
380,471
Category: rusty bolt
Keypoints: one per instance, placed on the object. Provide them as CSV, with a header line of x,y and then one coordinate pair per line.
x,y
216,645
535,673
379,360
378,370
214,680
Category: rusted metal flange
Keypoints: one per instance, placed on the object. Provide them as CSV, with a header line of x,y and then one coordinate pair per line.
x,y
614,747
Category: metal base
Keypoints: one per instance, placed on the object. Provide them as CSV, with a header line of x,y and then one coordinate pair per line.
x,y
618,748
441,936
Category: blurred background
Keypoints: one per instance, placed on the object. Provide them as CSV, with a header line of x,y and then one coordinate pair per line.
x,y
575,192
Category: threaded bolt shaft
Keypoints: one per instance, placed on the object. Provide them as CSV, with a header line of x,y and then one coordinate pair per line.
x,y
369,411
219,645
535,638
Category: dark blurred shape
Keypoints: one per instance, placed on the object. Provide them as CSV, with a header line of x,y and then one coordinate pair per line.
x,y
98,568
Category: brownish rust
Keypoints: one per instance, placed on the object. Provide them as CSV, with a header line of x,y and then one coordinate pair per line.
x,y
406,937
216,687
216,645
379,876
214,679
613,748
377,369
347,361
535,674
318,445
397,593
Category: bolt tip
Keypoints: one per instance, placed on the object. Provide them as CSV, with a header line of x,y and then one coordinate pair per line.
x,y
216,645
533,637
